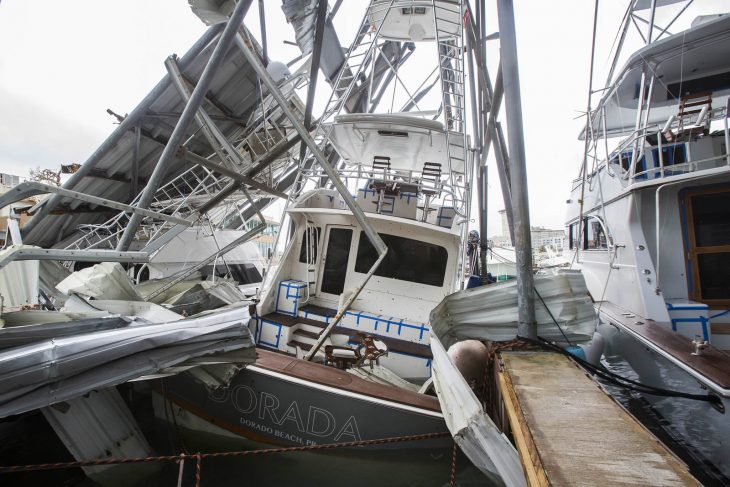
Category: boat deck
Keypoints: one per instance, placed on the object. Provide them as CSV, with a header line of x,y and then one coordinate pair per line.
x,y
568,431
393,344
332,377
713,365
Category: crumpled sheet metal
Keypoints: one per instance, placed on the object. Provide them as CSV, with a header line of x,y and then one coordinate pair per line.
x,y
49,371
15,336
473,430
301,14
490,312
107,280
151,312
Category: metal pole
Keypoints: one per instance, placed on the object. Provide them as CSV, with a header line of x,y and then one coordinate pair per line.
x,y
588,136
129,122
262,24
482,168
527,326
314,69
134,175
357,212
651,22
178,134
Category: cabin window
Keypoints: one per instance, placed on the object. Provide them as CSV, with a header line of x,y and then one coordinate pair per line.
x,y
624,160
241,273
310,244
708,225
335,264
671,155
573,235
594,235
413,10
407,260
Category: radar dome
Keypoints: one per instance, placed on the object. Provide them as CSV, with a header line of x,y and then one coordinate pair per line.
x,y
278,71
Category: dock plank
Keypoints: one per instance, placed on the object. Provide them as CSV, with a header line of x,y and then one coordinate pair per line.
x,y
570,432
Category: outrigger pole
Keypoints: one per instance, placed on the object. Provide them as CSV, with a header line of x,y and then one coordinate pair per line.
x,y
527,325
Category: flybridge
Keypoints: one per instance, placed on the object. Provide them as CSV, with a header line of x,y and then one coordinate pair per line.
x,y
681,126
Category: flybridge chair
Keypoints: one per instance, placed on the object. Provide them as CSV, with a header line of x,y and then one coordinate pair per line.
x,y
699,104
382,186
430,185
387,183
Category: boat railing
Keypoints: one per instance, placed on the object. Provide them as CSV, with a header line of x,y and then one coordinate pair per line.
x,y
413,179
637,164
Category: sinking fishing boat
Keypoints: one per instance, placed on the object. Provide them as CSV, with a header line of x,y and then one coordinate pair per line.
x,y
648,222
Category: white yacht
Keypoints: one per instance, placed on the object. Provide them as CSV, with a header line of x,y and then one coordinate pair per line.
x,y
649,225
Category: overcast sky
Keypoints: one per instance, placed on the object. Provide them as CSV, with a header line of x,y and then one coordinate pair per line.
x,y
62,64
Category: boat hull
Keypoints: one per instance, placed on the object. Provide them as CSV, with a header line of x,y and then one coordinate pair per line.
x,y
285,408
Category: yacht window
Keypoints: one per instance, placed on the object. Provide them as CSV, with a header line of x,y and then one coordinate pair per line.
x,y
715,82
407,260
413,10
310,241
594,235
671,155
392,133
335,264
708,245
573,235
714,270
241,273
711,214
624,159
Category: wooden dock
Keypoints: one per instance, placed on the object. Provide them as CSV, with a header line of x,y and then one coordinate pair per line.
x,y
568,431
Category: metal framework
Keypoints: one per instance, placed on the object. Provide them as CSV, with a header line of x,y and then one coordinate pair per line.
x,y
244,171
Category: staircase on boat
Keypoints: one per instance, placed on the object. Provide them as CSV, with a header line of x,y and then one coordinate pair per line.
x,y
294,327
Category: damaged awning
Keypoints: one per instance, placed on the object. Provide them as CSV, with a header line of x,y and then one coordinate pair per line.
x,y
44,371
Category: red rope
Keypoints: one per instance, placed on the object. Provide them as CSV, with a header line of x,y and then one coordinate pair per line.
x,y
200,456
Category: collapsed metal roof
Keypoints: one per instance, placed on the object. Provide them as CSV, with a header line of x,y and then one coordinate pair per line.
x,y
231,101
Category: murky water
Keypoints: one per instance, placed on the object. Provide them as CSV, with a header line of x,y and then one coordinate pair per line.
x,y
683,437
349,467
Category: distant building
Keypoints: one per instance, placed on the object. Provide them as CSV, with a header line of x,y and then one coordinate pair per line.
x,y
265,240
544,237
541,237
18,209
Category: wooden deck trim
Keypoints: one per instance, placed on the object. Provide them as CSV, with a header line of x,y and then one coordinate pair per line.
x,y
531,462
329,376
713,365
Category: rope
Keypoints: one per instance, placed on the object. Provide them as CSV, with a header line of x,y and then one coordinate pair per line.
x,y
553,317
199,456
624,382
452,482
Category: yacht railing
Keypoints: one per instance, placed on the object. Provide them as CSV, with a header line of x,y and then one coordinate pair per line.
x,y
359,173
638,137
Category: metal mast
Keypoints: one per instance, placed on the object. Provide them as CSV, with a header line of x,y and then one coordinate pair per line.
x,y
527,326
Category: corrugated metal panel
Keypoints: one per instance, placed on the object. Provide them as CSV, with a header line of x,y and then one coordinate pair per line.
x,y
490,312
233,93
